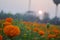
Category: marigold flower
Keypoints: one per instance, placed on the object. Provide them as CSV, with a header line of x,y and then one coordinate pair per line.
x,y
35,29
9,19
41,32
6,23
1,38
51,36
56,31
11,31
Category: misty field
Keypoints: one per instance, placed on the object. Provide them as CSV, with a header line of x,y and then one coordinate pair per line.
x,y
11,29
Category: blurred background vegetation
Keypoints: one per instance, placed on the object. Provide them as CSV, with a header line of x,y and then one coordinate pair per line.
x,y
30,18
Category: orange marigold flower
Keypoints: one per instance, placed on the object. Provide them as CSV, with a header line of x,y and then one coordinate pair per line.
x,y
11,31
41,32
56,31
35,29
9,19
6,23
51,36
1,38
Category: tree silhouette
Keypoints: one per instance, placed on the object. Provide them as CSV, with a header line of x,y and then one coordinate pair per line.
x,y
57,2
46,17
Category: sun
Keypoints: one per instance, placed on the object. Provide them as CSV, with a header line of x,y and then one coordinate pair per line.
x,y
40,12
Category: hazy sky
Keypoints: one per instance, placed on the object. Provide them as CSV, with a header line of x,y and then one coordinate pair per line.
x,y
21,6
